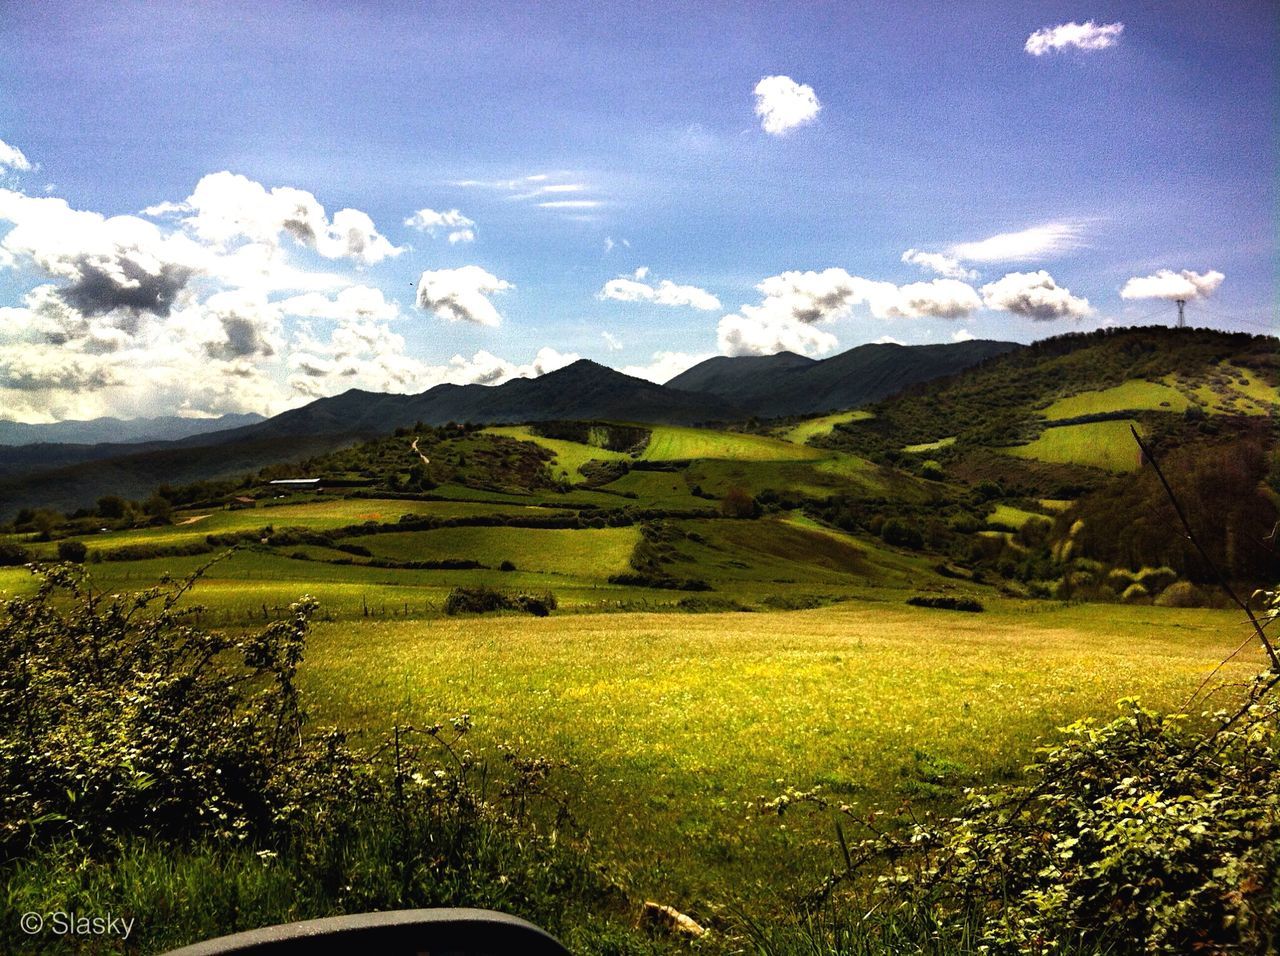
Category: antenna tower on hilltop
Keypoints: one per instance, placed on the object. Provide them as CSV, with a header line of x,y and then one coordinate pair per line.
x,y
1182,318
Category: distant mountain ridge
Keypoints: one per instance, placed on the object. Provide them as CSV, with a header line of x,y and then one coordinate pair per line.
x,y
96,431
788,384
732,389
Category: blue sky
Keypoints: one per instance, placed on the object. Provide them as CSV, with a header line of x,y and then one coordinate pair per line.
x,y
593,154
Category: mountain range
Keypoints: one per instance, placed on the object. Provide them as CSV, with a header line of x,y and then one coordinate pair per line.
x,y
117,430
720,390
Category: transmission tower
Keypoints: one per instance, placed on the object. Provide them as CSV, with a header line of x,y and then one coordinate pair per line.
x,y
1182,318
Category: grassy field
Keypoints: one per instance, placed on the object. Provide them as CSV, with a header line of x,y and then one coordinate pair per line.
x,y
822,425
873,701
930,445
1011,517
670,442
1132,396
1233,391
587,553
1107,445
570,455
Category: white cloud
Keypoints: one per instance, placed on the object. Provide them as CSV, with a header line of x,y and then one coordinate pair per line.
x,y
11,157
1167,284
460,295
665,292
939,262
783,104
794,302
611,341
1034,295
1081,36
665,366
962,335
429,220
571,204
1038,242
354,302
887,340
641,273
227,207
247,326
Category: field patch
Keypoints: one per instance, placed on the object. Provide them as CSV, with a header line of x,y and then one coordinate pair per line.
x,y
586,553
1108,445
1132,396
569,455
1008,516
677,722
673,443
822,425
930,445
1232,390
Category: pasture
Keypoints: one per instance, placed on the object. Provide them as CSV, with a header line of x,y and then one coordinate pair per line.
x,y
1107,445
1132,396
822,425
874,701
569,455
673,443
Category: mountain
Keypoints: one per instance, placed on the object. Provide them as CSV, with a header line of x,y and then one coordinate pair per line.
x,y
70,476
98,430
789,384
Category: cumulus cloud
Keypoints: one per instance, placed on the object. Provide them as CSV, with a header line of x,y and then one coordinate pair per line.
x,y
226,207
794,302
665,366
119,263
962,335
461,295
243,326
939,262
783,104
1034,295
354,302
11,157
1079,36
40,368
1167,284
664,293
458,226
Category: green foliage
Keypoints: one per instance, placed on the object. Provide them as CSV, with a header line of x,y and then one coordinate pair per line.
x,y
482,600
1145,834
946,603
72,551
13,555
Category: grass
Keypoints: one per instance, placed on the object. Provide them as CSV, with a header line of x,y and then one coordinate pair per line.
x,y
658,711
930,445
671,442
1132,396
570,455
822,425
1107,445
1233,391
586,553
1010,517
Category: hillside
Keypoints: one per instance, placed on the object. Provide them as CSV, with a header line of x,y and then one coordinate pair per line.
x,y
787,384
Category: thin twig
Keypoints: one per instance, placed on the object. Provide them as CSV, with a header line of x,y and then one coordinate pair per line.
x,y
1222,580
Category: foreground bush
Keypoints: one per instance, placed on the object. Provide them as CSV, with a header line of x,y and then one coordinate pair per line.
x,y
1143,835
157,769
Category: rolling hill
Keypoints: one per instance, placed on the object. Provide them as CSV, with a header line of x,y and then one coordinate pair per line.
x,y
99,430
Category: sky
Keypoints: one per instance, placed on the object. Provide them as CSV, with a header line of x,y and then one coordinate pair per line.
x,y
226,207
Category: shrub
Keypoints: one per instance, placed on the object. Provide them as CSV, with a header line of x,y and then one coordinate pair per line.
x,y
1146,834
902,534
739,503
946,603
73,551
482,600
12,555
1181,594
1134,593
507,566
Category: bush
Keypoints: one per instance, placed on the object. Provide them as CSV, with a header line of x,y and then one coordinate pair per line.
x,y
507,566
1134,593
739,503
73,551
1146,834
901,534
1181,594
13,555
483,600
946,603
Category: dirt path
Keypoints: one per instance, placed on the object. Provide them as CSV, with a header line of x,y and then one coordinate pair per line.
x,y
425,459
193,519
